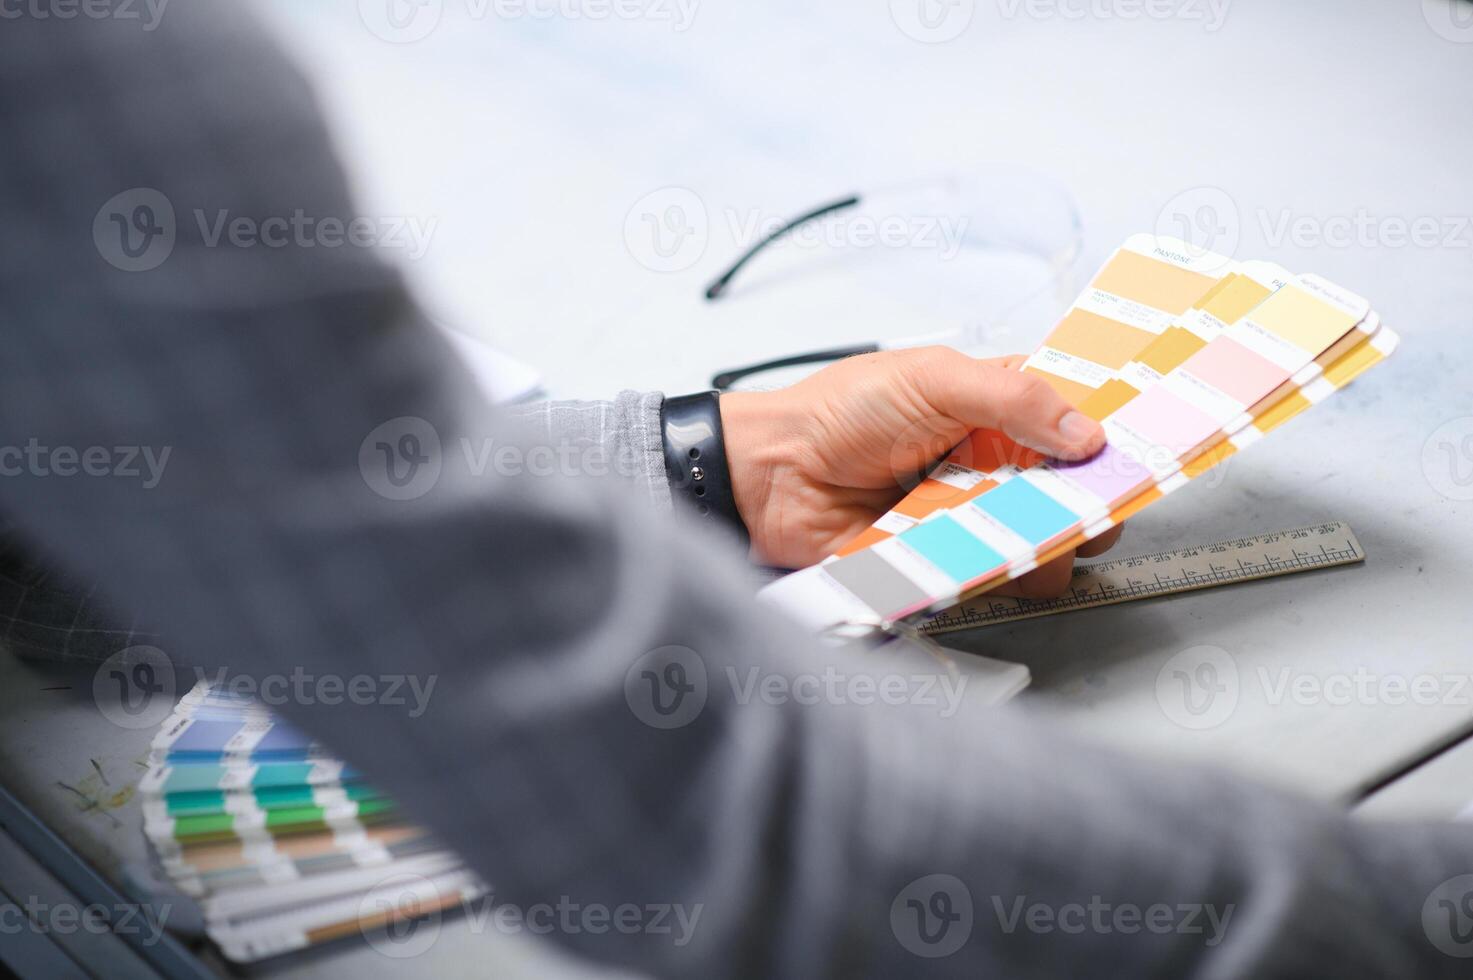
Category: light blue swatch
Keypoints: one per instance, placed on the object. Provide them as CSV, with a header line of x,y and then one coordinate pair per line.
x,y
1030,512
952,548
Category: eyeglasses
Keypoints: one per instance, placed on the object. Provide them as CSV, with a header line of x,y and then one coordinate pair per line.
x,y
1023,224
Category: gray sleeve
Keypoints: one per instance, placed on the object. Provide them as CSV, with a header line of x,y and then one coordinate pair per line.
x,y
602,718
619,438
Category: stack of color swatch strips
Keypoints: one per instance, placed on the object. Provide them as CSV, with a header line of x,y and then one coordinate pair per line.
x,y
282,846
1184,358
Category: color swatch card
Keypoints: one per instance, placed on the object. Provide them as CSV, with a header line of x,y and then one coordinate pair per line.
x,y
1251,350
211,737
213,776
1135,296
283,846
987,457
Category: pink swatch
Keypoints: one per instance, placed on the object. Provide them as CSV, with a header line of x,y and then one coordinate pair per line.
x,y
1235,370
1166,420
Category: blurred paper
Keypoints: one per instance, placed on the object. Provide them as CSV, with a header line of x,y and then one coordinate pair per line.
x,y
502,378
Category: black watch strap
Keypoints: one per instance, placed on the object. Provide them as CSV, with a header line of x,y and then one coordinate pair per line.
x,y
695,458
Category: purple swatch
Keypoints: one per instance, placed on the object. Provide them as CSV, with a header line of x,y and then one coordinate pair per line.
x,y
1108,474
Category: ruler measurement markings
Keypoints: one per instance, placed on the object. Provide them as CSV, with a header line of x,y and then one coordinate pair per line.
x,y
1111,582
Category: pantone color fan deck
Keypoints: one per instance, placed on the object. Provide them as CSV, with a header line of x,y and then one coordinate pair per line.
x,y
282,845
1184,357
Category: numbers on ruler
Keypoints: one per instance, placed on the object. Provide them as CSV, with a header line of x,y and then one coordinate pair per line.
x,y
1092,583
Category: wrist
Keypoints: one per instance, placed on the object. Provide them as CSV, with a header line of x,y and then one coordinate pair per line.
x,y
696,460
762,436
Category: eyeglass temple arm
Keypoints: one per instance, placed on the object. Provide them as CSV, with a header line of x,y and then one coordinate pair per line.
x,y
726,379
718,287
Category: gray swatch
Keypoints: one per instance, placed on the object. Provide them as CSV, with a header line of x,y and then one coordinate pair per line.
x,y
882,587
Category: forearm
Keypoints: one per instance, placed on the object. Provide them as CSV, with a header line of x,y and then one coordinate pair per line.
x,y
619,438
624,438
628,438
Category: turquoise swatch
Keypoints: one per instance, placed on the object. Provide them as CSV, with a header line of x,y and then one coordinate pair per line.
x,y
1030,512
193,779
952,548
283,774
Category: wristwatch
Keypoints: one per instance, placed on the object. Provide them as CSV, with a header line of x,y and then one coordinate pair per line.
x,y
695,459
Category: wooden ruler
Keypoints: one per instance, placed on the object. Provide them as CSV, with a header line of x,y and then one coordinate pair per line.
x,y
1105,583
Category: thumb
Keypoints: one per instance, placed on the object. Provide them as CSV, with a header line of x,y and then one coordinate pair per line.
x,y
1023,406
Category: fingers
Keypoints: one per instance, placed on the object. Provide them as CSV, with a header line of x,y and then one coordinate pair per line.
x,y
1101,544
985,395
1052,580
1044,582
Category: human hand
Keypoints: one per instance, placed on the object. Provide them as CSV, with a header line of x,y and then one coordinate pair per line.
x,y
815,464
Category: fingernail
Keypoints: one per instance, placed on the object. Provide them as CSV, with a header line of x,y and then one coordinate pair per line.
x,y
1078,427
